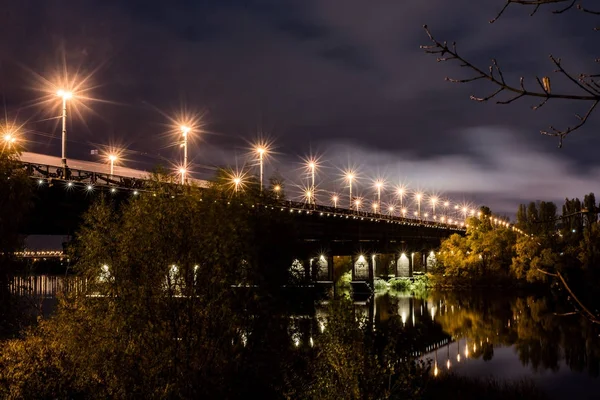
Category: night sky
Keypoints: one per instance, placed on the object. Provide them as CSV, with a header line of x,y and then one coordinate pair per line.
x,y
342,79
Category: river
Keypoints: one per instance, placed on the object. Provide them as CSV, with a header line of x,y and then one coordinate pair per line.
x,y
501,335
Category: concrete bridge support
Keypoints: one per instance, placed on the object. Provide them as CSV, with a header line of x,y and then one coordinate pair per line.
x,y
321,268
363,267
404,267
385,265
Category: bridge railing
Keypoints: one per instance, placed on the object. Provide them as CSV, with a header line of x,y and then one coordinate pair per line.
x,y
323,209
45,173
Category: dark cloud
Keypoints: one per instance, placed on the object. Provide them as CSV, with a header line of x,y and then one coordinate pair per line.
x,y
316,74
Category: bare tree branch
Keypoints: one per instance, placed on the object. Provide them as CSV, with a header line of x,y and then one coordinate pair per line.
x,y
587,313
587,88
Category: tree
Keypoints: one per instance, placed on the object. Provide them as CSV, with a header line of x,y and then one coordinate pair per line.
x,y
15,202
156,317
586,86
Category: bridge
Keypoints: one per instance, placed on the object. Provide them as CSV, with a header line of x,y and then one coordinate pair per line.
x,y
374,243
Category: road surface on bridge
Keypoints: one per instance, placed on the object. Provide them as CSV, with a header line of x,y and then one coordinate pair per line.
x,y
104,168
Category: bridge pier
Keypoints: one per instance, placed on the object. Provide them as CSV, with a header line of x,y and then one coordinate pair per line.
x,y
363,271
321,268
404,267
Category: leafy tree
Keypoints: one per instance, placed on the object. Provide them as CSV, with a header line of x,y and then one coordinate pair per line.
x,y
15,202
156,317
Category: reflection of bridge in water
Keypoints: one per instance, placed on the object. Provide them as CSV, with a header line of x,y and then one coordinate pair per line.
x,y
417,315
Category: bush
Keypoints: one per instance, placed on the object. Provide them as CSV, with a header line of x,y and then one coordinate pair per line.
x,y
344,281
380,284
400,284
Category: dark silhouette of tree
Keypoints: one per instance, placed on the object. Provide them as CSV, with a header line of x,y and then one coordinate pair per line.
x,y
15,201
585,86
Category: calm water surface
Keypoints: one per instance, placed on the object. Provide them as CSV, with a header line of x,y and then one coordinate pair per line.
x,y
505,336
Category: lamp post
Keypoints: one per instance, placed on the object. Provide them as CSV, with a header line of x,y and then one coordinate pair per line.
x,y
350,177
418,196
182,172
335,200
357,203
312,166
112,158
184,131
378,185
434,201
261,152
10,139
400,193
65,95
236,182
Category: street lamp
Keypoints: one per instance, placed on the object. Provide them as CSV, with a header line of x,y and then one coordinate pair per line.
x,y
261,150
237,181
65,95
9,138
335,200
379,185
357,203
182,172
418,196
391,210
434,200
400,193
350,177
277,189
312,166
112,158
184,131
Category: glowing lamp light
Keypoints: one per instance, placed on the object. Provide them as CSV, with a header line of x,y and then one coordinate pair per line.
x,y
277,188
185,129
112,158
66,95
